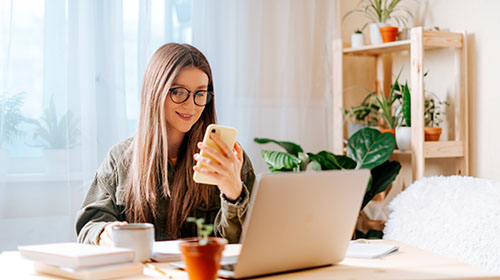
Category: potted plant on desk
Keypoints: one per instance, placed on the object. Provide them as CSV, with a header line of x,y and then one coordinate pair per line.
x,y
202,255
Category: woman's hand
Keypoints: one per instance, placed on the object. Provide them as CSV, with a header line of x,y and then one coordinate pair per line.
x,y
105,238
226,167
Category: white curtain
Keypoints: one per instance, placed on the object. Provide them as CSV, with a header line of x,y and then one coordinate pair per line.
x,y
83,61
271,66
86,58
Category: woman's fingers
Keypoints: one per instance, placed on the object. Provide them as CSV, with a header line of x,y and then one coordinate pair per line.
x,y
105,238
225,150
238,151
216,155
208,162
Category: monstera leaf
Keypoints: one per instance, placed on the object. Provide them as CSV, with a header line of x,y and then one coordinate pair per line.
x,y
280,161
370,148
289,147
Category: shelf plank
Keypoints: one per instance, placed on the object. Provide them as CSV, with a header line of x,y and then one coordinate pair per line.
x,y
443,149
437,39
431,40
396,46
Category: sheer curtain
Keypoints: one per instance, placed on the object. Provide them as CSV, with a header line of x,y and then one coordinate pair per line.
x,y
70,76
271,64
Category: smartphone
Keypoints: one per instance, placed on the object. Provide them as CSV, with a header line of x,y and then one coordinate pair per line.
x,y
228,136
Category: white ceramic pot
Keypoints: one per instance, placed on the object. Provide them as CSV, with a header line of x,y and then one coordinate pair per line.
x,y
403,138
356,40
375,37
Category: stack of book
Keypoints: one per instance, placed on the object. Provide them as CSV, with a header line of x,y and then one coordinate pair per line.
x,y
81,261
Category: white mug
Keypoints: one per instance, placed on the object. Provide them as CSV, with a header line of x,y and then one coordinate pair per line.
x,y
137,236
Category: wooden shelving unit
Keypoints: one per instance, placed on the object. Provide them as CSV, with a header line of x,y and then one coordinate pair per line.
x,y
421,40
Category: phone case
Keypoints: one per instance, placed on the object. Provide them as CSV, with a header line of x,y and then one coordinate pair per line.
x,y
228,136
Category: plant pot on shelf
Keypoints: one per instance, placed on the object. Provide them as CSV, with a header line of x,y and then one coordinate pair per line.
x,y
432,133
403,138
375,37
356,40
202,261
388,33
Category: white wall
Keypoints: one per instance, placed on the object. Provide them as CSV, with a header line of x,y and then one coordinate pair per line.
x,y
481,21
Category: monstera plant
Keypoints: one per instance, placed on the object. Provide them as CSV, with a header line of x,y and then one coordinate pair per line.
x,y
367,148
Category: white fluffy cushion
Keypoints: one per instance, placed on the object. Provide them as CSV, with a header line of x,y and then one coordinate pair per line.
x,y
454,216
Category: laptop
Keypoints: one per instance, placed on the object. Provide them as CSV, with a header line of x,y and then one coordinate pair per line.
x,y
297,221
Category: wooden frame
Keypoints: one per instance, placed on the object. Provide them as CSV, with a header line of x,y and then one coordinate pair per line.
x,y
421,40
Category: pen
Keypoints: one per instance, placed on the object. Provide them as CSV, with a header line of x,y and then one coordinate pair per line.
x,y
155,268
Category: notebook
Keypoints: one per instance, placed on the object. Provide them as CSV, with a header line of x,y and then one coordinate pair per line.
x,y
167,251
367,250
97,272
297,221
76,255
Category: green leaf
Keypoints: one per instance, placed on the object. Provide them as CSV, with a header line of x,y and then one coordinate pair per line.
x,y
370,148
280,161
289,147
407,105
382,176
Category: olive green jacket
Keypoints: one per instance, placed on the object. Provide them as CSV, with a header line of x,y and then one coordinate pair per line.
x,y
105,202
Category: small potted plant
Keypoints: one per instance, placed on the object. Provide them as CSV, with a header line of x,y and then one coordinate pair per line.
x,y
357,37
379,12
364,115
403,132
390,113
433,116
202,255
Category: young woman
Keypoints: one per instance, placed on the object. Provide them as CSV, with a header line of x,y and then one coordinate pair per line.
x,y
149,178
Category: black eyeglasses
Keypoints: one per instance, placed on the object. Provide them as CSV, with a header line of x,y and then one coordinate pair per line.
x,y
180,95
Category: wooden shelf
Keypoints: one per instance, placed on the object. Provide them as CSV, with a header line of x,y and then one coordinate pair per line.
x,y
420,40
431,40
439,149
443,149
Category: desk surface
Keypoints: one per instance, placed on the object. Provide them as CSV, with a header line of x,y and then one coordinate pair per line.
x,y
407,263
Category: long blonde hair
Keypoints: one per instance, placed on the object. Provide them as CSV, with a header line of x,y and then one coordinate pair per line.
x,y
148,177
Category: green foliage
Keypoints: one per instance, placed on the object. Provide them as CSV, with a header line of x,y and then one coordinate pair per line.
x,y
366,112
382,11
407,105
280,161
367,148
10,116
203,230
434,111
55,133
370,148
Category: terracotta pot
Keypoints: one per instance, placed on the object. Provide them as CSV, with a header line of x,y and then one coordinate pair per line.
x,y
432,133
389,33
202,261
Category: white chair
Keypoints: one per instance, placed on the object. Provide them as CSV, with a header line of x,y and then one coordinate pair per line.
x,y
454,216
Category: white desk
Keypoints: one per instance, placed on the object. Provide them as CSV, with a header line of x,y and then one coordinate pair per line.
x,y
408,263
